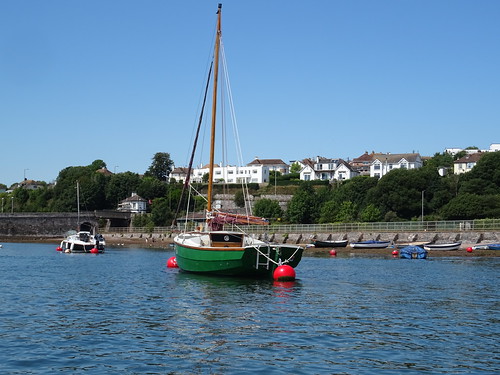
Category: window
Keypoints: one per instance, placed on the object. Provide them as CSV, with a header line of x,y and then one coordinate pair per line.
x,y
376,167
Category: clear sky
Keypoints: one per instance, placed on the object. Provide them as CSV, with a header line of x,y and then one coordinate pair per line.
x,y
120,80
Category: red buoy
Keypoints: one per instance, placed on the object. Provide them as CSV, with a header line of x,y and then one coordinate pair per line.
x,y
94,251
333,252
394,252
284,273
172,262
58,248
469,249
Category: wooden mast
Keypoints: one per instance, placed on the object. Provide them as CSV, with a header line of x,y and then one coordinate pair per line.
x,y
214,107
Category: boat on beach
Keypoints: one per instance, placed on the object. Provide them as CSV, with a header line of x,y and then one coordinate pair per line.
x,y
413,252
371,244
330,244
490,246
443,246
212,249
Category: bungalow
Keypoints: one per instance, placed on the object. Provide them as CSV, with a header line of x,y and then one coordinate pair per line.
x,y
134,204
384,163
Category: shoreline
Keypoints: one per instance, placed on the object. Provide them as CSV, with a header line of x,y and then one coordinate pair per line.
x,y
165,243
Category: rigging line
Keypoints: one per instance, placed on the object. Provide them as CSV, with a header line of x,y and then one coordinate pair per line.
x,y
190,166
239,153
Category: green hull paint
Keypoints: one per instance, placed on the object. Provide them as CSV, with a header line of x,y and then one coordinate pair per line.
x,y
240,262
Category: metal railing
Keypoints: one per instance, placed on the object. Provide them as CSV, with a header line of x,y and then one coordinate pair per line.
x,y
405,226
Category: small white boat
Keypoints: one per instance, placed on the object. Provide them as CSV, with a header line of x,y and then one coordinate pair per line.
x,y
489,246
372,244
443,246
82,242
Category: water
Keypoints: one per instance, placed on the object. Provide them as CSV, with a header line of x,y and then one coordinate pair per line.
x,y
126,312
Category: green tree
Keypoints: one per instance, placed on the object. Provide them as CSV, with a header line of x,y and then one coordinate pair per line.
x,y
295,168
268,208
161,215
239,198
303,208
150,188
161,166
121,186
370,214
472,206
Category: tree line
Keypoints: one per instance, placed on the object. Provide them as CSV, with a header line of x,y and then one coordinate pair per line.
x,y
400,195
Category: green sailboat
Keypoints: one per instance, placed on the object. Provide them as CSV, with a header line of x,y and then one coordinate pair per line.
x,y
213,250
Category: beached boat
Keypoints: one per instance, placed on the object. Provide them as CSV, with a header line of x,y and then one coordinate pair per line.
x,y
371,244
341,243
213,250
489,246
412,252
443,246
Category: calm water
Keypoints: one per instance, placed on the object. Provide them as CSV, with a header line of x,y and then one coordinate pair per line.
x,y
125,311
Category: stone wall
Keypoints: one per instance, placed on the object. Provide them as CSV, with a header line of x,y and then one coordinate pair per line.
x,y
42,224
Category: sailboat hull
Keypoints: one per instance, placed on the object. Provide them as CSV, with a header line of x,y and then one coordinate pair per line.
x,y
258,260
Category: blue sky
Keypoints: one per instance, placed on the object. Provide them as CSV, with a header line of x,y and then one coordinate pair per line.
x,y
120,80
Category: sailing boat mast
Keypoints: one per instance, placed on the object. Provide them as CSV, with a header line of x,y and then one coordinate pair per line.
x,y
214,108
78,204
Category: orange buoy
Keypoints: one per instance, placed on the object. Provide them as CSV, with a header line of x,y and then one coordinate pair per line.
x,y
94,251
333,252
58,248
469,249
172,262
284,273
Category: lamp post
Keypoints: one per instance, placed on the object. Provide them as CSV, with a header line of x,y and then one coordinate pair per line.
x,y
11,205
2,203
423,206
275,187
24,174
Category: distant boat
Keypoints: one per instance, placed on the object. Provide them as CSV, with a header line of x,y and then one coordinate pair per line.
x,y
342,243
490,246
443,246
81,241
412,252
371,244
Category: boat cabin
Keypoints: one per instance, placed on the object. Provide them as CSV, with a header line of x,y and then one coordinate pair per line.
x,y
225,239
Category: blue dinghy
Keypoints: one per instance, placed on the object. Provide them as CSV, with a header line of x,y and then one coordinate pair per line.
x,y
412,252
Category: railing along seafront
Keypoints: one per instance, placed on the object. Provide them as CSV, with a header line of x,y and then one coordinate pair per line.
x,y
405,226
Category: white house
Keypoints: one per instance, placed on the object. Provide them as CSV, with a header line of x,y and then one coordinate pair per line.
x,y
344,171
326,169
134,204
229,174
273,165
384,163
